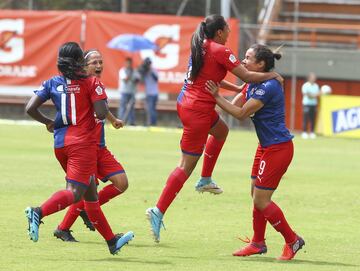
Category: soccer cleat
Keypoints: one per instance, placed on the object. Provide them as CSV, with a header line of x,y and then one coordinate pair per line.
x,y
251,249
87,221
206,184
291,249
155,218
33,216
64,235
119,241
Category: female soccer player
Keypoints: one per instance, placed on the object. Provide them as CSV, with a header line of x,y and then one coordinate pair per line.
x,y
265,105
108,168
210,60
76,98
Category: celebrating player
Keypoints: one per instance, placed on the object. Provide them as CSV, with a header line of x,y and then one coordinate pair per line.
x,y
210,60
265,105
108,168
76,98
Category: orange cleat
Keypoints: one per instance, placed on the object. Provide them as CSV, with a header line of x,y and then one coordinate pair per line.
x,y
251,249
291,249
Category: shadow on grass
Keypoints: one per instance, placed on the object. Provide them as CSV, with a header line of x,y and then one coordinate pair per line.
x,y
151,245
118,258
296,261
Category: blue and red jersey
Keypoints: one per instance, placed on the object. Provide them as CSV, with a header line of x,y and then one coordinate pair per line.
x,y
269,121
73,99
218,59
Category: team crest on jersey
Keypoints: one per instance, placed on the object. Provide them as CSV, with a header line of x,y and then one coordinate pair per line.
x,y
232,58
260,92
99,90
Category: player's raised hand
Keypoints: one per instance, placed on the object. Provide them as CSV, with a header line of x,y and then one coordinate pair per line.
x,y
212,88
117,123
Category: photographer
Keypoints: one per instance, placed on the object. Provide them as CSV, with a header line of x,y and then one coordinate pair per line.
x,y
149,77
128,80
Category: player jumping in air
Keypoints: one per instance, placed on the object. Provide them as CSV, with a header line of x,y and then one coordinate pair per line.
x,y
210,60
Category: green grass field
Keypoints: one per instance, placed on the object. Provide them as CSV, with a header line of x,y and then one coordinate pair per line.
x,y
319,195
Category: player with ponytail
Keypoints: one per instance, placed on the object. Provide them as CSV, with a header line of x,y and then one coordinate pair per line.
x,y
203,128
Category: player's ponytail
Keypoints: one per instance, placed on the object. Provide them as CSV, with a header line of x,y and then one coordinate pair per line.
x,y
205,30
71,61
263,53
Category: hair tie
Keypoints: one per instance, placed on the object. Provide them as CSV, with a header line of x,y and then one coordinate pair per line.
x,y
89,53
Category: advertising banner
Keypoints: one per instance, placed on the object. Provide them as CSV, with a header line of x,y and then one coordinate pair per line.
x,y
29,43
339,116
170,34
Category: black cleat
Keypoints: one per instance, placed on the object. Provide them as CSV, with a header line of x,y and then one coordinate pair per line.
x,y
64,235
119,241
87,221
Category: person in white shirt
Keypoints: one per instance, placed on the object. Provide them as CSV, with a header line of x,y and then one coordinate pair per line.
x,y
149,77
128,80
310,91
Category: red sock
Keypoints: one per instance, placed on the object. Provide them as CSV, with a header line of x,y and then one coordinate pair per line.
x,y
98,219
211,154
71,215
259,226
173,185
57,202
275,216
107,193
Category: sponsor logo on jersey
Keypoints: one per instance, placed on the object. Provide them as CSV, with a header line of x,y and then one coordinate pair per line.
x,y
60,88
346,119
232,58
73,89
260,92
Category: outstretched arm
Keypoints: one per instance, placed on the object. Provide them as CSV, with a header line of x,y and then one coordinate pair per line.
x,y
230,86
241,113
32,109
255,77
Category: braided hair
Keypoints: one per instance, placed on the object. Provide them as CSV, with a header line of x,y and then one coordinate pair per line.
x,y
71,62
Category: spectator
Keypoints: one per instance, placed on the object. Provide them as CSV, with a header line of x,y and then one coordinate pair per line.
x,y
149,77
128,79
310,91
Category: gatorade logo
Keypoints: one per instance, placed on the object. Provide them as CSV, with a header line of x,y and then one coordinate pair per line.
x,y
167,37
346,120
11,42
12,50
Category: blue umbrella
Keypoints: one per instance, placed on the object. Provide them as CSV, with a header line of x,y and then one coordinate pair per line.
x,y
131,43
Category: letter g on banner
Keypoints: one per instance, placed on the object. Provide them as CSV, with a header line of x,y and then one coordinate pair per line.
x,y
168,56
11,46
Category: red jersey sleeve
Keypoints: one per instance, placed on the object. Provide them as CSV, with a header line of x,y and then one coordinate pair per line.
x,y
97,90
243,92
226,57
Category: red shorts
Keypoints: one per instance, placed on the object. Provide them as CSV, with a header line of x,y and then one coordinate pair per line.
x,y
196,127
107,165
78,161
270,164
